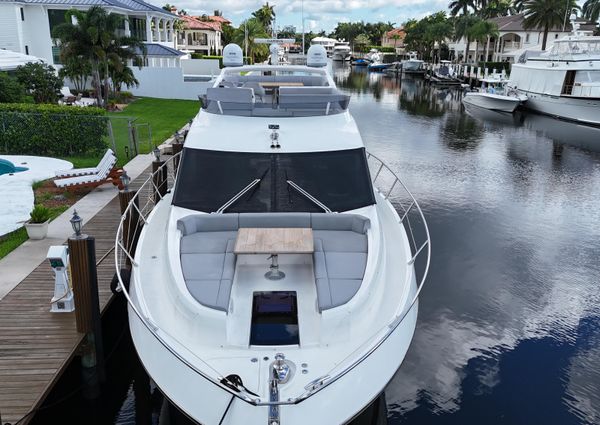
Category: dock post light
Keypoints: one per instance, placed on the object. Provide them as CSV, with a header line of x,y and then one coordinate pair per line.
x,y
125,180
156,153
76,222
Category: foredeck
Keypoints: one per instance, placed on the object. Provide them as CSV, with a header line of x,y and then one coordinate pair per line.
x,y
36,346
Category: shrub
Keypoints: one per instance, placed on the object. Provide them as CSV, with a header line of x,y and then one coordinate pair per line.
x,y
39,214
52,130
382,49
40,80
10,89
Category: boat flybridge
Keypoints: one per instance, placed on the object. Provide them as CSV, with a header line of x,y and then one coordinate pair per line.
x,y
276,282
564,82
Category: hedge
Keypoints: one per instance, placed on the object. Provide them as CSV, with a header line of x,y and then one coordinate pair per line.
x,y
42,129
498,66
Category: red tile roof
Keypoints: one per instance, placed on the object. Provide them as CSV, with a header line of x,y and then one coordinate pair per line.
x,y
220,19
396,31
193,23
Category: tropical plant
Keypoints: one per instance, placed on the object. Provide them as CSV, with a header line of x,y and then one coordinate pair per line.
x,y
546,14
462,28
10,89
361,41
496,8
77,70
591,10
265,15
245,35
122,75
462,7
481,32
423,35
40,80
39,214
95,39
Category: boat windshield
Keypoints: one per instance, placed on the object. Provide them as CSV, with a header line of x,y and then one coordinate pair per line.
x,y
576,47
338,179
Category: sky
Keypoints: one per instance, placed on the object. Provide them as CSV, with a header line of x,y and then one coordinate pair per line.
x,y
318,14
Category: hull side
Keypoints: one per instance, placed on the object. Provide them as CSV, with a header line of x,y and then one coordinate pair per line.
x,y
493,103
569,108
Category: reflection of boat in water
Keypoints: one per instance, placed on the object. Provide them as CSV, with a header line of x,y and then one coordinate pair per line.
x,y
494,94
570,133
493,116
564,82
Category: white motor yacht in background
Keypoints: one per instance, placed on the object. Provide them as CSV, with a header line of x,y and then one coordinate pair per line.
x,y
341,51
495,95
564,82
276,283
326,42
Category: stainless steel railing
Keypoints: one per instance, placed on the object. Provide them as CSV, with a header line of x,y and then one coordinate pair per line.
x,y
389,187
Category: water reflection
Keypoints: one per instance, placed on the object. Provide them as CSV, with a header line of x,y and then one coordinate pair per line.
x,y
508,323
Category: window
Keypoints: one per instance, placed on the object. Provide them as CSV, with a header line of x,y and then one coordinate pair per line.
x,y
137,27
555,36
56,17
26,49
208,179
274,318
22,14
527,38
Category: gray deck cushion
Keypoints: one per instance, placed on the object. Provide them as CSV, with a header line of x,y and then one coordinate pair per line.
x,y
207,223
340,257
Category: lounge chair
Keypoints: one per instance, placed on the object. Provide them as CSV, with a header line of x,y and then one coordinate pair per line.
x,y
106,174
108,158
68,97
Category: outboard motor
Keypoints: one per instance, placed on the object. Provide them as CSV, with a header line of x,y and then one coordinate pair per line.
x,y
316,56
233,55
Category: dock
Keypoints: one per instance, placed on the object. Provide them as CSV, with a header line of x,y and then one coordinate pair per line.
x,y
36,346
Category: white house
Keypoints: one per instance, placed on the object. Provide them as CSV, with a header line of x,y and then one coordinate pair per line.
x,y
26,25
199,35
513,39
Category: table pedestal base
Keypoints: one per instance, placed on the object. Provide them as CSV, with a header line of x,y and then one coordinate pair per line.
x,y
274,273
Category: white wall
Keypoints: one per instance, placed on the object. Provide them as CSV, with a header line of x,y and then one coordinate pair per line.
x,y
167,83
9,31
200,66
36,32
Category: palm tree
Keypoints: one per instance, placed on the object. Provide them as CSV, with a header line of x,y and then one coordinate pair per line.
x,y
481,32
462,28
518,6
265,15
94,39
248,32
496,8
591,10
546,14
461,7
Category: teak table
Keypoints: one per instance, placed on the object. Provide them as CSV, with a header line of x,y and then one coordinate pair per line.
x,y
274,241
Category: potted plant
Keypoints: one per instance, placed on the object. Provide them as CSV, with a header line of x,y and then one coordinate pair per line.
x,y
37,225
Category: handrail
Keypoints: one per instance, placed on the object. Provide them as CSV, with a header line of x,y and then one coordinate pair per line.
x,y
141,212
309,196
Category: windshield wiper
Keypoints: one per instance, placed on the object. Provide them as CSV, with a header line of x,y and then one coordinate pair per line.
x,y
237,196
309,196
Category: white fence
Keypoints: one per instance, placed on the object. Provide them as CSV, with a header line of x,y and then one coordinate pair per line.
x,y
167,83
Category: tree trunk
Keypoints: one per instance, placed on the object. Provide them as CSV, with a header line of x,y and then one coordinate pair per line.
x,y
466,58
487,49
96,83
545,38
106,86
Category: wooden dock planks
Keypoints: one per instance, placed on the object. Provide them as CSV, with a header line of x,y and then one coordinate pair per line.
x,y
36,345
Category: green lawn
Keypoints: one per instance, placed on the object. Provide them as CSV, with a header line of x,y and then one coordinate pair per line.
x,y
165,116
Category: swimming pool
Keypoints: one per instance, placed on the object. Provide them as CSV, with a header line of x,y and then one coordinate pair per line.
x,y
17,174
7,167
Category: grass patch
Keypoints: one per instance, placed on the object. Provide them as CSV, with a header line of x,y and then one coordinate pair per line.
x,y
12,240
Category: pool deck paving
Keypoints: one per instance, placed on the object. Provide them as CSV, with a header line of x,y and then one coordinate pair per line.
x,y
36,346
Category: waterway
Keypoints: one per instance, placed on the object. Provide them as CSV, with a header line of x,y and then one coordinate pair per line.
x,y
509,322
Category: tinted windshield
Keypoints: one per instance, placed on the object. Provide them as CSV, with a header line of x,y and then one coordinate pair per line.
x,y
338,179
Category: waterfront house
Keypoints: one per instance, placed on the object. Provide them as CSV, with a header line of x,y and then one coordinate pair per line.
x,y
200,35
512,41
394,38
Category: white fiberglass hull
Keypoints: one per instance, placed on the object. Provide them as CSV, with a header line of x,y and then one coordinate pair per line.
x,y
581,110
340,56
412,65
492,101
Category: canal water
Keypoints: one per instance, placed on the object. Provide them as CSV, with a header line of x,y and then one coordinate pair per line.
x,y
509,320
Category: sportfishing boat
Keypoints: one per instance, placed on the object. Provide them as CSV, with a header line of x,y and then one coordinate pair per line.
x,y
277,271
341,51
564,82
495,95
413,64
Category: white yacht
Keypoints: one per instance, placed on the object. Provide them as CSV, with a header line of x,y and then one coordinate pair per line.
x,y
275,283
495,95
412,64
341,51
326,42
564,82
